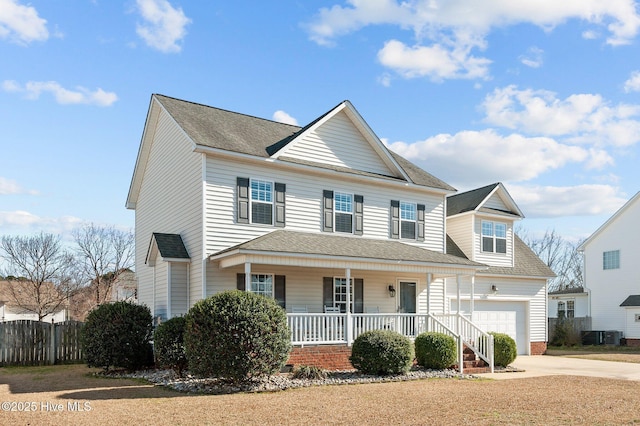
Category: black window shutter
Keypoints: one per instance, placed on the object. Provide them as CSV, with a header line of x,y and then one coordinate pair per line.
x,y
280,290
327,291
394,214
280,204
243,199
358,214
240,281
327,212
421,208
358,295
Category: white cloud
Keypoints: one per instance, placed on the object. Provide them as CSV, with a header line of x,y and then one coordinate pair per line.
x,y
436,62
23,222
164,26
580,118
470,157
11,187
80,95
559,201
533,57
282,117
448,30
21,24
633,83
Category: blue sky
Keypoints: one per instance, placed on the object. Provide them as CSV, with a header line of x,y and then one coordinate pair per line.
x,y
541,95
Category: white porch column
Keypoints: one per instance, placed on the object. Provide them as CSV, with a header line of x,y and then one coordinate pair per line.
x,y
429,279
348,309
458,291
247,276
473,295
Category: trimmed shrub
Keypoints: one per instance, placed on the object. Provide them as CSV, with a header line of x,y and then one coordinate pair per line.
x,y
435,350
236,335
382,352
309,372
505,350
118,335
168,344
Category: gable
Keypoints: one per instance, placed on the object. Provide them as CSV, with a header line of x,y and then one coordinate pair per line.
x,y
624,222
338,142
492,199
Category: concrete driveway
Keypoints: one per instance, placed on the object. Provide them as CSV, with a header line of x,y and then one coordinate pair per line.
x,y
545,365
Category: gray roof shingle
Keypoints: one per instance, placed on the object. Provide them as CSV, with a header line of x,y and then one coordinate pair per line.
x,y
231,131
171,246
293,242
468,201
633,300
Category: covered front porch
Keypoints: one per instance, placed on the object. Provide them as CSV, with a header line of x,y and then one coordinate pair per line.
x,y
332,295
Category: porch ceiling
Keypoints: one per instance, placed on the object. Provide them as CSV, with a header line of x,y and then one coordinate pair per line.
x,y
335,251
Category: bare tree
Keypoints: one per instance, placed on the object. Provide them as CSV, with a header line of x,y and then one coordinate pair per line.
x,y
104,254
39,272
560,254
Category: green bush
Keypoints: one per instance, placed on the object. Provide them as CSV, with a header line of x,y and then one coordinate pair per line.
x,y
118,335
435,350
236,335
168,344
505,350
382,352
309,372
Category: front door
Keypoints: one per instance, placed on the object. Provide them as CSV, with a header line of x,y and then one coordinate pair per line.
x,y
407,306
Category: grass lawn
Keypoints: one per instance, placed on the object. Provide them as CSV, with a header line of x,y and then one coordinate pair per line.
x,y
601,352
540,400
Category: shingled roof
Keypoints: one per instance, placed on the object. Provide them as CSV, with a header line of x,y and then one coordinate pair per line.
x,y
471,200
632,301
235,132
292,242
170,246
526,263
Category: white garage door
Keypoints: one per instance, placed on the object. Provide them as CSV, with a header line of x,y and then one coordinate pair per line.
x,y
502,317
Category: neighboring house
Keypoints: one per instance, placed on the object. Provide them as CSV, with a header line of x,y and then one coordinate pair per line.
x,y
569,303
125,288
611,275
330,223
11,310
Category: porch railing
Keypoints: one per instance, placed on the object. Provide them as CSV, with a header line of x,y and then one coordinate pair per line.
x,y
332,328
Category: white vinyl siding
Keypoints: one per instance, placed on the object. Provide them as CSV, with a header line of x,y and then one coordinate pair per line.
x,y
170,201
460,229
304,204
632,329
510,289
609,288
179,281
495,202
159,306
492,258
338,143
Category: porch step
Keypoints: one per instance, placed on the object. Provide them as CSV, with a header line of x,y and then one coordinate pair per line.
x,y
471,364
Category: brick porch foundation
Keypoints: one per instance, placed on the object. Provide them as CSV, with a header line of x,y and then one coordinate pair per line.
x,y
633,342
538,348
327,357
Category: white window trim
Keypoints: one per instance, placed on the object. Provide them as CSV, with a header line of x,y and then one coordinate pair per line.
x,y
335,211
604,263
493,237
414,221
272,202
273,283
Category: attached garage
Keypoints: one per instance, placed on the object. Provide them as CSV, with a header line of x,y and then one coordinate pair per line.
x,y
508,317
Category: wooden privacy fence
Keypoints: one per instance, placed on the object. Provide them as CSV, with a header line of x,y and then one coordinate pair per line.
x,y
28,342
577,325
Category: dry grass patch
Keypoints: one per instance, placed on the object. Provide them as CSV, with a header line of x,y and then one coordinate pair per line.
x,y
540,400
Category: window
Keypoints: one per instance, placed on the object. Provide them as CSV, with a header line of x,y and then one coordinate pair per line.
x,y
407,220
343,212
262,284
261,202
561,310
611,259
340,294
494,237
571,311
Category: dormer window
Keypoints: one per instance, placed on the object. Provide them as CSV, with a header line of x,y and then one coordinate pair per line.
x,y
494,237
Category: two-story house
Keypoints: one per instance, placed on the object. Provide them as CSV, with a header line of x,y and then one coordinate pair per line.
x,y
611,276
345,234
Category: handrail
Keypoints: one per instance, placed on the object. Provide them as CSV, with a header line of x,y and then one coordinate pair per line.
x,y
334,328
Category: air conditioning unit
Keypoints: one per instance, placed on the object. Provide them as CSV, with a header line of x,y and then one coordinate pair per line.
x,y
593,337
612,337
